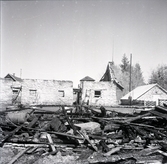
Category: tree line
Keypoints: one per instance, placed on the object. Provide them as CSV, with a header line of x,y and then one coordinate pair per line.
x,y
122,72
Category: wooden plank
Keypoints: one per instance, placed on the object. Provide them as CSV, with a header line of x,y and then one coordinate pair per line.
x,y
11,134
33,122
87,139
44,145
63,134
136,118
159,114
15,158
69,121
155,132
51,142
148,126
161,109
112,151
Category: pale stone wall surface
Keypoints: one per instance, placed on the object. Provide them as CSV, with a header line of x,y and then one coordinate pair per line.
x,y
154,92
37,92
108,93
47,92
6,93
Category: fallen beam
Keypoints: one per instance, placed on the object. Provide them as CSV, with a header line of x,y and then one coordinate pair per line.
x,y
10,134
136,118
51,142
15,158
86,137
163,115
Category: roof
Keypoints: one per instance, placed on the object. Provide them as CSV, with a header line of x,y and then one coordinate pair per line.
x,y
13,77
87,78
109,75
141,90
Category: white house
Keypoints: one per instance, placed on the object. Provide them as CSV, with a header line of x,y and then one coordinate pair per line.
x,y
150,94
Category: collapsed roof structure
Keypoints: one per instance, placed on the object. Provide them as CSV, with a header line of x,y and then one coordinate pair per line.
x,y
109,75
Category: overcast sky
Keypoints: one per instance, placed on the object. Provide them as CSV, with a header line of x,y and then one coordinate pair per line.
x,y
68,40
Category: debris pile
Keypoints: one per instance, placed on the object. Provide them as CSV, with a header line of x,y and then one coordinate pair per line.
x,y
90,135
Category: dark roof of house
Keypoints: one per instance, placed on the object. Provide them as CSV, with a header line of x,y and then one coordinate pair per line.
x,y
87,78
13,77
109,75
141,90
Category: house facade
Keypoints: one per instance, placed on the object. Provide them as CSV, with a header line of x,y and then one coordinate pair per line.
x,y
106,92
98,93
148,95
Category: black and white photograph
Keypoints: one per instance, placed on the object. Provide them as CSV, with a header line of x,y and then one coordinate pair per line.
x,y
83,81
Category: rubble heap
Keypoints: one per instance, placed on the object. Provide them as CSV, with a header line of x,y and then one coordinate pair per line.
x,y
90,135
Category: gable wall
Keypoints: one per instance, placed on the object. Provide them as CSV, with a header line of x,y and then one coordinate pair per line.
x,y
152,93
108,93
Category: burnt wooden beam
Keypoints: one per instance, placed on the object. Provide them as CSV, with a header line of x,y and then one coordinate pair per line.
x,y
112,151
156,132
162,115
161,109
136,118
141,132
44,145
98,137
15,158
10,134
64,134
33,122
147,126
105,148
51,142
69,121
111,127
86,137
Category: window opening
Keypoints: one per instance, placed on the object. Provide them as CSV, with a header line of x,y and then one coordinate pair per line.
x,y
97,93
33,92
15,91
61,93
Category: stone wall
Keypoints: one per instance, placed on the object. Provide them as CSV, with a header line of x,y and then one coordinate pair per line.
x,y
6,92
99,93
47,92
36,92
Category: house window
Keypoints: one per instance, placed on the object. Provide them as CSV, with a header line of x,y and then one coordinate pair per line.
x,y
61,93
15,91
97,93
32,92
